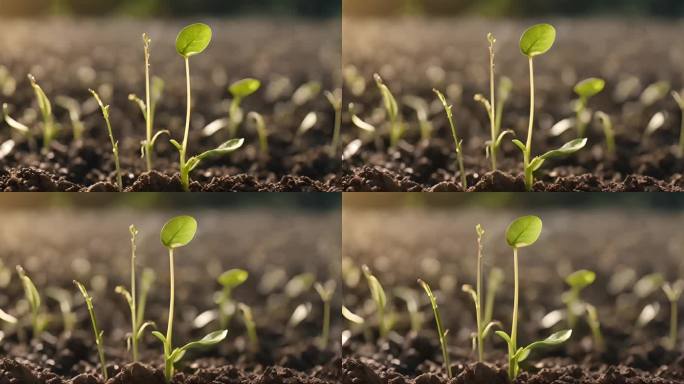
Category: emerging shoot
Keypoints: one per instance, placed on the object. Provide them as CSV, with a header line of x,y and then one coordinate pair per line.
x,y
442,333
38,319
397,128
673,291
595,326
191,41
262,133
586,89
380,299
458,142
577,281
536,41
521,233
250,326
115,144
229,280
239,90
326,292
98,334
679,98
608,132
494,280
335,100
50,127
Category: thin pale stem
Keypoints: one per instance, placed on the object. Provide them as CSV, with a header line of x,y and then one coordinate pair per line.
x,y
529,177
169,330
326,324
512,368
134,320
673,324
681,137
187,113
478,304
492,120
148,106
336,131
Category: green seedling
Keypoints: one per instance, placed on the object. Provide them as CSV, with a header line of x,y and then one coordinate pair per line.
x,y
673,291
608,132
595,326
458,142
177,233
422,111
301,312
74,108
335,100
577,281
50,127
503,94
250,326
586,89
229,280
115,144
483,329
326,292
18,127
397,127
522,233
442,333
64,299
138,325
239,90
536,41
306,92
262,133
380,299
148,107
38,319
7,318
98,333
360,123
193,40
352,317
412,306
679,98
494,281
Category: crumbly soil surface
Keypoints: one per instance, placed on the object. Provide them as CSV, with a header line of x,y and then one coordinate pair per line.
x,y
441,251
414,56
53,247
68,57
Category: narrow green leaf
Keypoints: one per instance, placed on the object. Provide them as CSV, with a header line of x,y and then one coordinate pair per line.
x,y
504,336
567,149
536,163
159,336
224,149
207,341
524,231
178,231
520,145
351,316
557,338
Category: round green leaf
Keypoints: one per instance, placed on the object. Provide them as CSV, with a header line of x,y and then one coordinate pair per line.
x,y
193,39
233,277
537,40
524,231
244,87
178,231
580,279
590,87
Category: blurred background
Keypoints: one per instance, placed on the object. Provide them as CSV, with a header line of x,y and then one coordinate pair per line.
x,y
169,8
515,8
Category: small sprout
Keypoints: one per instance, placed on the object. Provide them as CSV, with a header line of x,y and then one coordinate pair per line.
x,y
654,93
229,280
335,100
262,133
358,122
38,319
64,299
177,233
7,318
503,94
458,142
673,291
586,89
380,299
50,127
577,281
422,110
494,280
608,132
299,314
98,334
441,332
138,325
397,128
536,41
326,292
239,90
679,98
309,121
20,128
193,40
595,326
521,233
648,285
412,306
74,108
250,325
647,314
351,316
115,144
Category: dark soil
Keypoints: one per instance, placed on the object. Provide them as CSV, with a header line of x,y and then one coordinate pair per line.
x,y
69,57
413,56
286,355
441,250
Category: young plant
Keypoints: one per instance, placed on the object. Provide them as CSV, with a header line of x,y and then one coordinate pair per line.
x,y
137,324
38,319
250,326
74,108
229,280
494,280
536,41
412,306
18,127
262,133
673,292
115,144
335,100
239,90
458,142
483,329
442,333
397,128
177,233
422,114
595,326
608,132
98,333
50,127
193,40
503,93
326,292
577,281
679,98
64,299
148,107
521,233
586,89
380,299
